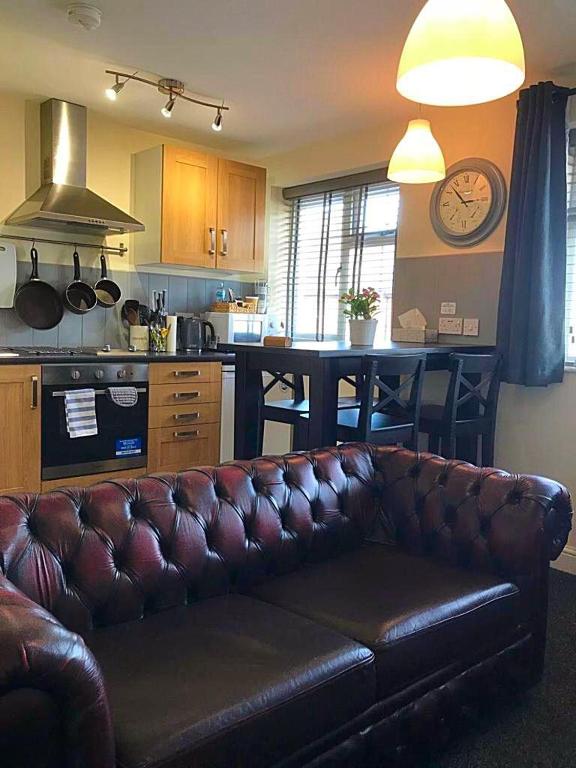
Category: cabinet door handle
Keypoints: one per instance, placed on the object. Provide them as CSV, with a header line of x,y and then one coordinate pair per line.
x,y
190,433
212,249
185,395
185,374
224,251
34,404
182,416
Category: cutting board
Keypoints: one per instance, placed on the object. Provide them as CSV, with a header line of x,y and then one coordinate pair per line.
x,y
7,274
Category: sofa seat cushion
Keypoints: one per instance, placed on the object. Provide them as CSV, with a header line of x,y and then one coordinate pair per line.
x,y
416,614
228,681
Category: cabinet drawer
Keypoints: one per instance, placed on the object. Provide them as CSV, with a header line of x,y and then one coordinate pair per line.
x,y
176,373
179,415
184,394
173,449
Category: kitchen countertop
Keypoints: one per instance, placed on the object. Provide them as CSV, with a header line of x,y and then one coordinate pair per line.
x,y
128,357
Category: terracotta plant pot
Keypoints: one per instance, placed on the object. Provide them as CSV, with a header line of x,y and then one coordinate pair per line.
x,y
362,332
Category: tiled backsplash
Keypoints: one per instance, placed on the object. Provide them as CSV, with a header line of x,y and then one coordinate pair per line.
x,y
103,326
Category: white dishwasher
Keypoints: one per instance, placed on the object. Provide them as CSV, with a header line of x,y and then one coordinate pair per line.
x,y
277,437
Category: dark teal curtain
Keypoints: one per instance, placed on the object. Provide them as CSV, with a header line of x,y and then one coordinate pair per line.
x,y
532,291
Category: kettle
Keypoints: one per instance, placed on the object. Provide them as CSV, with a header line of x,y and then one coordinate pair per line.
x,y
195,334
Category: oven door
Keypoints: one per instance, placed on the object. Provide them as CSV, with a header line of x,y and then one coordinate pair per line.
x,y
121,442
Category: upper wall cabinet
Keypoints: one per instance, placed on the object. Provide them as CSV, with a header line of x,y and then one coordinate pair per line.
x,y
241,203
199,210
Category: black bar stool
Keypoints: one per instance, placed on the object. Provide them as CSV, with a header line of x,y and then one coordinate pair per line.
x,y
470,408
290,411
393,416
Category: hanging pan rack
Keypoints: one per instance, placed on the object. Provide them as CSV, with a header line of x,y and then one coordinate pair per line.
x,y
119,250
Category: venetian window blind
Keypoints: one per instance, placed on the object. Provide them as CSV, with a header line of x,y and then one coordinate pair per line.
x,y
331,236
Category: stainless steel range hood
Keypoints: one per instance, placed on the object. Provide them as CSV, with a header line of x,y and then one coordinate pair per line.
x,y
63,201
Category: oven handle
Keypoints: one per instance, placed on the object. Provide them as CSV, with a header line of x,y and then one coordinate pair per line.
x,y
97,392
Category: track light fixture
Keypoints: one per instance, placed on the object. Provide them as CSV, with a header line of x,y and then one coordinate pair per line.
x,y
167,110
112,92
217,124
173,88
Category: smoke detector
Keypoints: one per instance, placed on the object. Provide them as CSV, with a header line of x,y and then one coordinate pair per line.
x,y
87,16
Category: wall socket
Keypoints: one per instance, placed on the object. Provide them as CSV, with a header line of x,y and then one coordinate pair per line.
x,y
448,308
471,326
450,325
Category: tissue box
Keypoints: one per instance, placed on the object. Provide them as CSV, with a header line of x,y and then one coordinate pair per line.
x,y
418,335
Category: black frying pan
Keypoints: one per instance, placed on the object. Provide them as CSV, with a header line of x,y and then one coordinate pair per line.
x,y
79,297
38,304
108,292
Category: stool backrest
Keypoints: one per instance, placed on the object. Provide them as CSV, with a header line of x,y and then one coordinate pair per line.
x,y
474,387
402,397
296,385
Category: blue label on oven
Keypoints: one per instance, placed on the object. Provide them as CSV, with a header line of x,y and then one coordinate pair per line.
x,y
129,446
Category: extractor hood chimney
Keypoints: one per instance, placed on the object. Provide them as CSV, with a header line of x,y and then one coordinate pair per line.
x,y
63,201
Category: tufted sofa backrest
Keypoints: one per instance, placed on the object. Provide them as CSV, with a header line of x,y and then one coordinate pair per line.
x,y
115,551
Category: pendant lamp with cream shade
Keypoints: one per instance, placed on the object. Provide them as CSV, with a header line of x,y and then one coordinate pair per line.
x,y
461,52
418,158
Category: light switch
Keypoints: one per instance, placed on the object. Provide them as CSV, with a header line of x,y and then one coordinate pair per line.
x,y
471,326
450,325
448,308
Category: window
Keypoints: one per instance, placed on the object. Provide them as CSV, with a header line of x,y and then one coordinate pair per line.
x,y
571,253
330,241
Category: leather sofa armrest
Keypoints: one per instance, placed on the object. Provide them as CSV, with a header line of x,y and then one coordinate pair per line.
x,y
473,517
37,652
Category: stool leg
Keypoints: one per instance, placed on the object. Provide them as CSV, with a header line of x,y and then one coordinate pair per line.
x,y
434,443
300,435
261,436
449,447
487,450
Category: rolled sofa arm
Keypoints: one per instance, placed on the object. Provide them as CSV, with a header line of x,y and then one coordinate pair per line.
x,y
472,517
37,652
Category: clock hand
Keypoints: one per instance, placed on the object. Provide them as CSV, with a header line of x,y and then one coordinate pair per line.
x,y
460,196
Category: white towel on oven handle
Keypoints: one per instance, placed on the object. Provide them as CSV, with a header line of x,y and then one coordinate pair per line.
x,y
80,407
125,397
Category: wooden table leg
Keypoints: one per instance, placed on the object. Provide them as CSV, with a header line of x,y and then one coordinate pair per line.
x,y
248,398
323,383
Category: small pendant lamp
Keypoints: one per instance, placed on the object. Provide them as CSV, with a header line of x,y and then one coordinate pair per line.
x,y
418,158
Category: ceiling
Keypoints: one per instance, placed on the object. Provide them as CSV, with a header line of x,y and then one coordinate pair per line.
x,y
292,71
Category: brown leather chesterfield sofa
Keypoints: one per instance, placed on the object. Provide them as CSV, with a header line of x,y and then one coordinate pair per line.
x,y
345,607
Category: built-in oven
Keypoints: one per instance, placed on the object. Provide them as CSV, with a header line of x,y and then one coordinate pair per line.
x,y
121,439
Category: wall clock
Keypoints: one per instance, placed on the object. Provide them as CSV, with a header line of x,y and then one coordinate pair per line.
x,y
468,204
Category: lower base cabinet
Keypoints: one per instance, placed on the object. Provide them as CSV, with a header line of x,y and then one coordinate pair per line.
x,y
184,425
184,416
20,423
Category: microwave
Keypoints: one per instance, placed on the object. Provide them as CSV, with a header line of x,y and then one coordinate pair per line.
x,y
240,327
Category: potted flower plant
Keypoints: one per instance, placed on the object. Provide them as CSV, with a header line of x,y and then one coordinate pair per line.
x,y
360,309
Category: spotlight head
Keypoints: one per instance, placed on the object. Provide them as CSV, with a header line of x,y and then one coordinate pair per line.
x,y
217,124
112,92
167,110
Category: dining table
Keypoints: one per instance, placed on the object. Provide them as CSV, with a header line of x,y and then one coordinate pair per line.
x,y
325,363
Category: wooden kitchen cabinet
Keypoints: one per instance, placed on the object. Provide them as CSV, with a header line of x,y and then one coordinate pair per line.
x,y
20,453
199,210
241,206
184,415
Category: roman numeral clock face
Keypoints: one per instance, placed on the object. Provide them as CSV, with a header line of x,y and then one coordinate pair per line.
x,y
468,204
465,202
